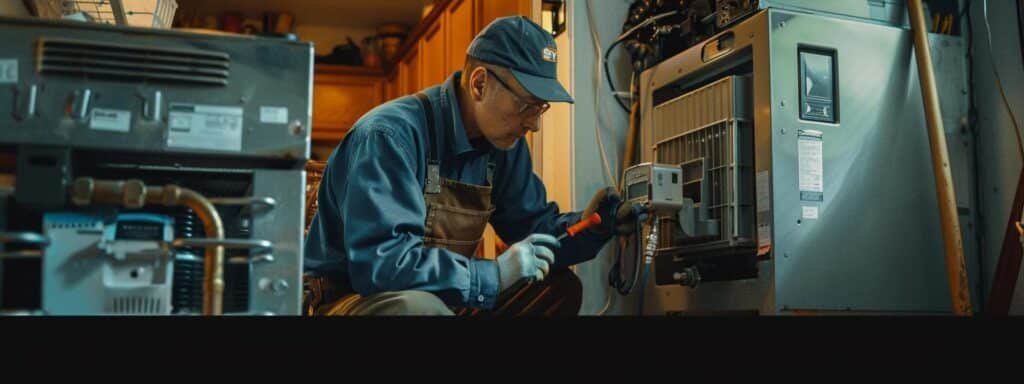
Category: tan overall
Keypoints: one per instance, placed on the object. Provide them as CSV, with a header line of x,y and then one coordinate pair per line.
x,y
457,214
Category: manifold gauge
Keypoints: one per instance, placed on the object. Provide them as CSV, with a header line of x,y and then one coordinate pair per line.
x,y
658,186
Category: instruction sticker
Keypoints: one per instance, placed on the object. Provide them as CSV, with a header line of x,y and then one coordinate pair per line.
x,y
764,227
8,71
273,115
763,199
110,120
764,234
205,127
811,168
810,213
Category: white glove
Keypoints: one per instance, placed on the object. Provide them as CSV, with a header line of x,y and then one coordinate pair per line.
x,y
530,259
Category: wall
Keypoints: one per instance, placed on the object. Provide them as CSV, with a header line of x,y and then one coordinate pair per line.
x,y
999,158
588,173
553,143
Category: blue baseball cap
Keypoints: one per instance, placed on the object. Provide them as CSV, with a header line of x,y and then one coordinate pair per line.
x,y
526,49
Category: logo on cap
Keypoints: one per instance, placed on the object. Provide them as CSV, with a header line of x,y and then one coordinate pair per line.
x,y
549,54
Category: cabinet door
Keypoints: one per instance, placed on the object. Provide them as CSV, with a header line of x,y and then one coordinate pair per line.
x,y
433,68
461,30
408,73
340,100
490,10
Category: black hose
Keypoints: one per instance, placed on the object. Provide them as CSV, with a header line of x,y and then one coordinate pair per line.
x,y
608,75
615,273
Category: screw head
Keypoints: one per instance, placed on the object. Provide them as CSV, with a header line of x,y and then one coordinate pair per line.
x,y
279,286
296,128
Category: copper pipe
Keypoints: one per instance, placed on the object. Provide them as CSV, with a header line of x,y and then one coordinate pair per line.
x,y
956,271
135,194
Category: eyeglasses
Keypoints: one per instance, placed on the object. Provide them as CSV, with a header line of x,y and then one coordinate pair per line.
x,y
526,108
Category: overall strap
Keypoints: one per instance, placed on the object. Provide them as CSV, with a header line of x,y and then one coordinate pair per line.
x,y
433,181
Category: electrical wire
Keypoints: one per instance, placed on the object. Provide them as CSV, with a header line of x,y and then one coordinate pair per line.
x,y
999,82
611,84
620,39
615,279
612,180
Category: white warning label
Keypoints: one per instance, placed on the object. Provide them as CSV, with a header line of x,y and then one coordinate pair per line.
x,y
811,167
273,115
763,196
810,213
110,120
204,127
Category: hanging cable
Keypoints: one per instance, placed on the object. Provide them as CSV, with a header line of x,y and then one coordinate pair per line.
x,y
619,40
612,180
615,279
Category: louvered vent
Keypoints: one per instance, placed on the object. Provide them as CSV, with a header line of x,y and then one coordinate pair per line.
x,y
139,305
132,62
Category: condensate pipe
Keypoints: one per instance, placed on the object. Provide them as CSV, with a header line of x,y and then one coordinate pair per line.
x,y
956,272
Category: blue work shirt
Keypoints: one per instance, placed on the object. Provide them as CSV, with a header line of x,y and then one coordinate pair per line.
x,y
369,225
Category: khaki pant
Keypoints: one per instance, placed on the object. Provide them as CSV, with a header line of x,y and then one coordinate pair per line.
x,y
560,294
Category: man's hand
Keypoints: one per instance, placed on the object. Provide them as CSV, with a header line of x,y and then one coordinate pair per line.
x,y
605,202
627,216
530,259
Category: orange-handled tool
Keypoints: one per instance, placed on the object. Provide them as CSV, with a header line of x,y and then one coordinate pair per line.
x,y
583,224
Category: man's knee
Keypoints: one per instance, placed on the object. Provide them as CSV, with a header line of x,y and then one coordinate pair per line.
x,y
401,303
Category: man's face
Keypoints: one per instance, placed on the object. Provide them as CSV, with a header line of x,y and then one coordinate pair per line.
x,y
507,111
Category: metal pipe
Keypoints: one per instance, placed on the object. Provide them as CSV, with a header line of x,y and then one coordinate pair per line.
x,y
213,266
135,194
120,17
956,271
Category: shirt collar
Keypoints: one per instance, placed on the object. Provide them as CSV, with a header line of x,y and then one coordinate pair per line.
x,y
462,144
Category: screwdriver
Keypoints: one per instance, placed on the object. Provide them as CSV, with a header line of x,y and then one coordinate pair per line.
x,y
583,224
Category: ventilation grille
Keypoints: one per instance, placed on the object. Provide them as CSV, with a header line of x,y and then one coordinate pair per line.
x,y
725,148
136,305
707,132
131,62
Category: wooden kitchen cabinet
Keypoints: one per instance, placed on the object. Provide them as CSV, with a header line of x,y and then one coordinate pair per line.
x,y
432,54
490,10
462,27
408,73
341,95
440,44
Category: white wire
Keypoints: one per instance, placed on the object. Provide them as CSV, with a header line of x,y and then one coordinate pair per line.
x,y
597,95
594,37
999,82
